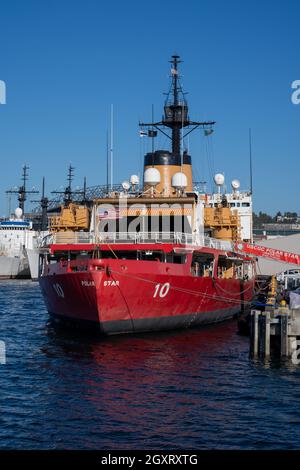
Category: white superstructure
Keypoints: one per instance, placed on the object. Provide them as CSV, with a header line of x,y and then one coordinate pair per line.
x,y
16,234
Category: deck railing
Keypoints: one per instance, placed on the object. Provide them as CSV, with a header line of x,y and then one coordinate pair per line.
x,y
146,237
76,238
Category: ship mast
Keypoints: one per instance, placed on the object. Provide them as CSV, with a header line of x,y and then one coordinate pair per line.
x,y
68,191
22,191
176,115
44,206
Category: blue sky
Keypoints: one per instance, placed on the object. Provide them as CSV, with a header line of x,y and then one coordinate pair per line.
x,y
64,63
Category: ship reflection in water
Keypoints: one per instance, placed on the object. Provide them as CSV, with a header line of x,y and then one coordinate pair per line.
x,y
192,389
151,390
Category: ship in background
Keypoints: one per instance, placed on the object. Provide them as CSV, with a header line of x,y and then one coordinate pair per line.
x,y
49,212
152,258
16,236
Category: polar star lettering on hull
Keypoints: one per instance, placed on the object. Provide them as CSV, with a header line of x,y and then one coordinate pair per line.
x,y
88,283
111,283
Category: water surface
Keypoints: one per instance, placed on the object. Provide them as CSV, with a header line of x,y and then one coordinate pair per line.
x,y
191,389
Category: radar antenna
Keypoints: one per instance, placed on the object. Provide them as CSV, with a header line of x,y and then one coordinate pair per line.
x,y
68,192
22,191
176,115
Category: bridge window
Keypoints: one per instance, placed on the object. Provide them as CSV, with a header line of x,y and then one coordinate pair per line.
x,y
152,255
114,254
175,258
202,264
230,268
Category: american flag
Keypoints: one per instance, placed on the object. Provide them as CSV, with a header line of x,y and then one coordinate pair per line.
x,y
109,214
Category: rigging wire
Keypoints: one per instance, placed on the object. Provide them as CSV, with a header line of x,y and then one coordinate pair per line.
x,y
112,251
126,303
209,161
228,292
187,291
197,309
210,142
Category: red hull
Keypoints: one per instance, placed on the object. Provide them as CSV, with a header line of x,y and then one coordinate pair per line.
x,y
122,296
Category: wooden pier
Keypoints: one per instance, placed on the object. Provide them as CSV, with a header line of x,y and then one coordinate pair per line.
x,y
275,331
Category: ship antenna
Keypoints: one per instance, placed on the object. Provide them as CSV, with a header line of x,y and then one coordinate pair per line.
x,y
250,160
174,71
152,131
22,191
182,113
176,115
68,193
175,90
44,206
107,163
111,144
84,190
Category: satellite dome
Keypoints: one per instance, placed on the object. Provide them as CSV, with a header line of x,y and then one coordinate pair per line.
x,y
126,185
134,179
235,184
152,176
18,213
179,180
219,179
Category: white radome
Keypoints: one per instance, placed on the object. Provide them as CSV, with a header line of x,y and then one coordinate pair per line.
x,y
235,184
134,180
151,176
126,185
179,180
219,179
18,213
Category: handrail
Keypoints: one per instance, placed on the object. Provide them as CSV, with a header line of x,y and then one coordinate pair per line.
x,y
146,237
75,238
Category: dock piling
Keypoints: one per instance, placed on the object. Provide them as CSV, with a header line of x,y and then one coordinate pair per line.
x,y
254,333
284,339
267,342
281,324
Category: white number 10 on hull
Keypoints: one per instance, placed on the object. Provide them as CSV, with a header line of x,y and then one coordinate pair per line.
x,y
161,290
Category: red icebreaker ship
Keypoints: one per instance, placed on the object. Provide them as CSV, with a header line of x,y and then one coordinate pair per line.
x,y
149,258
